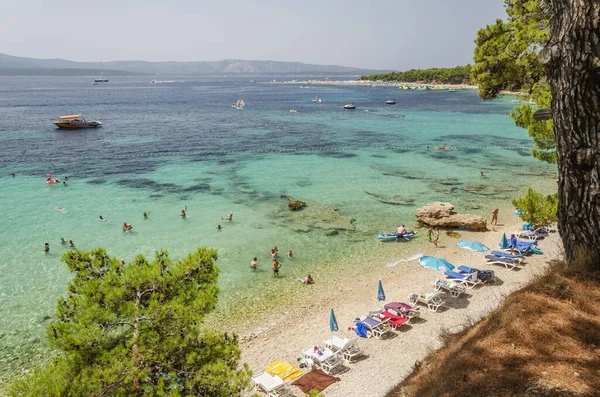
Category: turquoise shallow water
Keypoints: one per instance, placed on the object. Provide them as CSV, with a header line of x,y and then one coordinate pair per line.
x,y
167,146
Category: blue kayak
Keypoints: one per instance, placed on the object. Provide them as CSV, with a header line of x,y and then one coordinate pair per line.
x,y
393,236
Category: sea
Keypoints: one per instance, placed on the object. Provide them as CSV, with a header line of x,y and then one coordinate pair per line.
x,y
179,144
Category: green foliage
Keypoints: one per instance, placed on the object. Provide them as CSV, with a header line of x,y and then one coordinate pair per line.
x,y
506,58
134,329
314,393
537,208
456,75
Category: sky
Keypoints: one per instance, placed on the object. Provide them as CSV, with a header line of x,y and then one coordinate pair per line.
x,y
377,34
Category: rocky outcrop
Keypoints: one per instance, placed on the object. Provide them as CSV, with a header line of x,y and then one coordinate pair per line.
x,y
294,205
443,215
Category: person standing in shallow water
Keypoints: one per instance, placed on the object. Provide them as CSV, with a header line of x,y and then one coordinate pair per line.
x,y
276,267
494,220
254,264
46,247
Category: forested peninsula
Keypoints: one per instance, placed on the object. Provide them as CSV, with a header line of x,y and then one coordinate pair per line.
x,y
456,75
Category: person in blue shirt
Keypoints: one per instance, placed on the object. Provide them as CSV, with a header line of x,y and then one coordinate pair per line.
x,y
513,243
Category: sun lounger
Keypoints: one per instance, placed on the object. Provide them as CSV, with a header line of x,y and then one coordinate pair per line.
x,y
272,385
432,300
506,255
470,279
454,287
348,347
323,357
394,320
509,264
376,328
528,235
482,275
404,309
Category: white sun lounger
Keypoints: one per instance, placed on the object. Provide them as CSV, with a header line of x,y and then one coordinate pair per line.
x,y
348,347
432,300
323,357
375,327
273,385
454,287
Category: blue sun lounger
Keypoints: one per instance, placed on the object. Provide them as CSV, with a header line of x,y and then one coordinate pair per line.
x,y
470,279
506,255
482,275
509,264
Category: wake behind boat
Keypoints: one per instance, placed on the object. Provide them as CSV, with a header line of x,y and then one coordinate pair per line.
x,y
75,121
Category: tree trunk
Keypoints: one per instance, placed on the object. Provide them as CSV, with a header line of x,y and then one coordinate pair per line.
x,y
573,66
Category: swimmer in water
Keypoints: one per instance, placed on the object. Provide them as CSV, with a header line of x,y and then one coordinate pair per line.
x,y
219,227
62,241
127,226
101,219
65,183
290,254
146,214
182,214
62,209
481,174
66,178
12,174
46,247
71,244
228,217
254,264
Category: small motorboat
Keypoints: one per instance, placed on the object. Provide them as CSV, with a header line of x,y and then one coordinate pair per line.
x,y
349,106
75,121
239,105
390,102
293,111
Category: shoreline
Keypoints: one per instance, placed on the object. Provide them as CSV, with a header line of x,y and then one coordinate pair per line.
x,y
284,336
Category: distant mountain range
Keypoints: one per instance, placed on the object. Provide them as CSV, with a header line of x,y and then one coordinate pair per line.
x,y
14,66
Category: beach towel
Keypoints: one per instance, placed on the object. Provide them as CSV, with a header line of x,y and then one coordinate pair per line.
x,y
284,370
315,380
361,330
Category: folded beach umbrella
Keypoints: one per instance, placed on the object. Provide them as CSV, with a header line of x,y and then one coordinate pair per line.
x,y
333,325
504,242
435,263
472,246
380,293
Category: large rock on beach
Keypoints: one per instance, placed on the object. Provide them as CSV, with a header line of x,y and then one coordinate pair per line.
x,y
443,215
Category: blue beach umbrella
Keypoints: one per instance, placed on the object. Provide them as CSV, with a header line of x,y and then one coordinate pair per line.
x,y
504,242
333,325
472,246
380,293
435,263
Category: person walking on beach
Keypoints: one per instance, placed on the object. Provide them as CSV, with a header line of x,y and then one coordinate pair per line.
x,y
494,217
430,234
437,237
254,264
46,247
276,267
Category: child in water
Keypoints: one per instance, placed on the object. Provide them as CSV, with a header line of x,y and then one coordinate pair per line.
x,y
276,267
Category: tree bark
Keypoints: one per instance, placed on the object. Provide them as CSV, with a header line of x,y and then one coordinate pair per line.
x,y
573,67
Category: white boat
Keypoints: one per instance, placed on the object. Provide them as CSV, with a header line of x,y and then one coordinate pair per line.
x,y
75,121
390,102
101,79
451,90
239,105
349,106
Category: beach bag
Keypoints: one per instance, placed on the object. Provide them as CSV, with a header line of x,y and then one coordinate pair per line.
x,y
486,275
